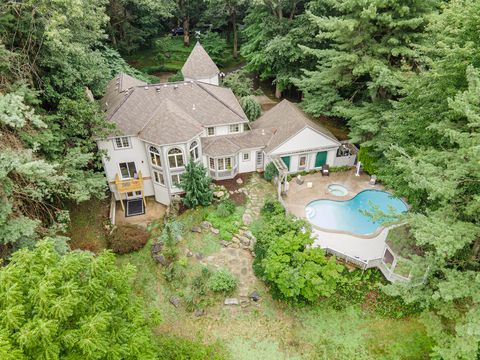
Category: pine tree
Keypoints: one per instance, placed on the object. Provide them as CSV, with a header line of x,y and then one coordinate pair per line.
x,y
196,184
75,306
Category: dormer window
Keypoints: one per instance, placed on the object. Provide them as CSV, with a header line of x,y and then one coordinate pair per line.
x,y
210,131
235,128
122,142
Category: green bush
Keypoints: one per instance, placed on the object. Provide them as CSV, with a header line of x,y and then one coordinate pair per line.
x,y
239,82
215,45
127,238
222,281
367,159
270,171
272,207
229,225
251,107
176,78
225,208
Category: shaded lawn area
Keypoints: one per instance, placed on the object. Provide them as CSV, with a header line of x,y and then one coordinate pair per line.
x,y
175,53
273,329
87,225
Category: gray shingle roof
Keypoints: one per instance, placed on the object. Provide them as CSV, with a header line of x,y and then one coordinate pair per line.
x,y
170,113
226,145
199,65
285,120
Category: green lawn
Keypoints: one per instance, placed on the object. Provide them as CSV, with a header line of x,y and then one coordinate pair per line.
x,y
175,53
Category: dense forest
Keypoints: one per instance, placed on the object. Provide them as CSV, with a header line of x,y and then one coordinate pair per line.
x,y
404,75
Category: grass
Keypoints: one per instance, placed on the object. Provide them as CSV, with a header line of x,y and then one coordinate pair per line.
x,y
175,53
228,225
87,229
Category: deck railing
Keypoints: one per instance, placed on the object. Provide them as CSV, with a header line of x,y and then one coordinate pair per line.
x,y
129,185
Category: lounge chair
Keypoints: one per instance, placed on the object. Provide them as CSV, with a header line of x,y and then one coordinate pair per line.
x,y
326,170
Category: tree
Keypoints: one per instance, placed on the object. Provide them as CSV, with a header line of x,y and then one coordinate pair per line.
x,y
196,184
215,46
69,307
239,83
365,53
188,12
231,8
251,107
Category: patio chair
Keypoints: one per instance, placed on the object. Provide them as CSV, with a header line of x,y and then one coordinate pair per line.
x,y
326,170
300,180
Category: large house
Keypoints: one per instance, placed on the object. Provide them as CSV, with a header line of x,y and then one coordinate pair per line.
x,y
160,127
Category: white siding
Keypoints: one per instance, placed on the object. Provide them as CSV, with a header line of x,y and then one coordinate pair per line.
x,y
211,80
136,153
247,166
305,140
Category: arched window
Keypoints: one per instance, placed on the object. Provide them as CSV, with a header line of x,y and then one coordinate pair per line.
x,y
175,158
194,150
155,156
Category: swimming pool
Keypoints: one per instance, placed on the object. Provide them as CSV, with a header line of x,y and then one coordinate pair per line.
x,y
348,216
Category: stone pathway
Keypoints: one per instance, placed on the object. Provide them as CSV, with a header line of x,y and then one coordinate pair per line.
x,y
237,255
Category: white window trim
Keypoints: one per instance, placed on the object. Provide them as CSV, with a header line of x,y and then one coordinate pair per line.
x,y
175,155
160,176
248,156
196,147
214,131
173,182
156,154
122,138
235,131
120,170
300,167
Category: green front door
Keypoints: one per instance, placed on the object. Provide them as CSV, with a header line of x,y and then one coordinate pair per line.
x,y
286,160
321,158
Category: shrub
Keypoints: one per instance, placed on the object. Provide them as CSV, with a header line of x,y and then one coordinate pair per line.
x,y
270,171
215,45
251,107
239,82
177,77
127,238
229,225
226,208
222,281
368,160
196,184
272,207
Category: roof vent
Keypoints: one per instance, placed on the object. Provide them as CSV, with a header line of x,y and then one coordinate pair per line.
x,y
263,131
175,86
193,107
165,85
146,87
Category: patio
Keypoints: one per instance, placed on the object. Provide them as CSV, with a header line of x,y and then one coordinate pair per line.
x,y
153,211
298,196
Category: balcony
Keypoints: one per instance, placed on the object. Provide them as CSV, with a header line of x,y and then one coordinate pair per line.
x,y
129,185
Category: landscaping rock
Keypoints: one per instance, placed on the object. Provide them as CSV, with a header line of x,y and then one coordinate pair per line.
x,y
199,312
196,229
199,256
157,247
231,192
218,194
239,181
247,219
188,253
244,240
224,243
255,296
235,240
206,225
160,259
215,231
231,301
175,301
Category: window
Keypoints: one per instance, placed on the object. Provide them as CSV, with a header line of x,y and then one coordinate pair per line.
x,y
212,163
246,156
175,158
235,128
122,142
158,177
245,127
128,170
302,164
176,179
194,150
210,131
155,156
224,164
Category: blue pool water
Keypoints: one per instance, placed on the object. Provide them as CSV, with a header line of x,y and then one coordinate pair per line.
x,y
347,215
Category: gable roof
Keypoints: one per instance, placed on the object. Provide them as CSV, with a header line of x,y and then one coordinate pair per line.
x,y
285,120
199,65
169,113
226,145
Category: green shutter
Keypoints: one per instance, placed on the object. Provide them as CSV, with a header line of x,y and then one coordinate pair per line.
x,y
321,158
286,160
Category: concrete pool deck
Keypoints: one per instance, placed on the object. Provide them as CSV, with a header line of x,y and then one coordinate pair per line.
x,y
298,196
